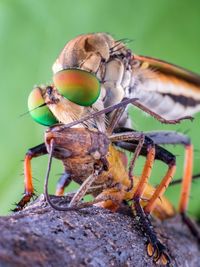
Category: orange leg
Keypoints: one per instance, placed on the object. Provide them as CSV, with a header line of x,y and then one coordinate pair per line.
x,y
155,248
28,181
160,189
187,179
145,174
185,192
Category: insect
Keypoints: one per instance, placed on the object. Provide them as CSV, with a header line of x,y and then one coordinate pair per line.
x,y
165,91
93,162
106,176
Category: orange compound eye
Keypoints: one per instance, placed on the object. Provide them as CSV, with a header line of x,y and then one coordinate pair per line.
x,y
38,110
78,86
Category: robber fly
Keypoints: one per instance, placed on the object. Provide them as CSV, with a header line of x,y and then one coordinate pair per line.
x,y
106,72
163,89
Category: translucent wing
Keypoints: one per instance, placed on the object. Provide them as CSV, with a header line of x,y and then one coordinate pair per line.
x,y
167,89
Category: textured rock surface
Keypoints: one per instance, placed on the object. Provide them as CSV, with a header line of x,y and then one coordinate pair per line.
x,y
40,236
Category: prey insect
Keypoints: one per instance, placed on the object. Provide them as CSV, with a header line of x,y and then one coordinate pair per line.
x,y
91,160
110,183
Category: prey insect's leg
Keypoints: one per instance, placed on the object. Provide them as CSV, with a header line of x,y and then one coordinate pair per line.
x,y
63,182
126,136
157,116
133,160
29,190
83,189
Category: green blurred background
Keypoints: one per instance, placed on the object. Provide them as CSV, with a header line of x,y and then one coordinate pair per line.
x,y
33,32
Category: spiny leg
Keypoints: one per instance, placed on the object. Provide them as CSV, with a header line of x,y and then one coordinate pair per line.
x,y
157,116
130,136
161,154
171,137
28,183
187,179
168,137
161,188
178,138
133,160
155,248
185,193
145,173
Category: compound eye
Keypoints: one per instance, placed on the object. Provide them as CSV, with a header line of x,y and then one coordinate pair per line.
x,y
78,86
38,110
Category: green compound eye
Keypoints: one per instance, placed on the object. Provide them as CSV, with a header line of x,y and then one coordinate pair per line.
x,y
78,86
39,113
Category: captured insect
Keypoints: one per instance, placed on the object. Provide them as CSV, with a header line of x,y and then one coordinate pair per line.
x,y
90,159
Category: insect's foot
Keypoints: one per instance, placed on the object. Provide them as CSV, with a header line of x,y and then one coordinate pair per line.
x,y
159,254
17,208
22,203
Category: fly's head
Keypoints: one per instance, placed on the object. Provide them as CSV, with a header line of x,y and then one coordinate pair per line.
x,y
89,52
66,100
78,81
